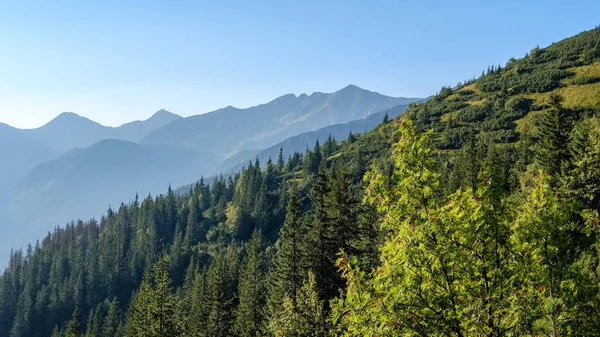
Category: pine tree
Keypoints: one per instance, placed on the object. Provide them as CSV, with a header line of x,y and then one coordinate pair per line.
x,y
313,159
280,161
220,294
467,165
155,310
112,322
251,292
93,324
139,318
198,308
552,152
73,328
583,178
302,317
56,332
333,227
286,278
313,320
315,248
165,308
262,210
194,230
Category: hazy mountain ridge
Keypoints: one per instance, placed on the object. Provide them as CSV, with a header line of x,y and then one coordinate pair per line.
x,y
36,156
264,125
83,182
301,142
69,130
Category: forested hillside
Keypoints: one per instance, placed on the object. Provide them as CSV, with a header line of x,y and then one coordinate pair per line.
x,y
473,214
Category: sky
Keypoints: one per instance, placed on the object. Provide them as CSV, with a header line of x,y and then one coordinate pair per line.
x,y
118,61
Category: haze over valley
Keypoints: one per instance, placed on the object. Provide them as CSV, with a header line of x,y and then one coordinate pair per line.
x,y
75,168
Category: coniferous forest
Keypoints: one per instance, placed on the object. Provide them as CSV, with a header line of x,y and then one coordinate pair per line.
x,y
475,213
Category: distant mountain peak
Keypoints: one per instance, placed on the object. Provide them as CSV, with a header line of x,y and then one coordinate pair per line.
x,y
352,87
67,114
68,118
162,113
285,97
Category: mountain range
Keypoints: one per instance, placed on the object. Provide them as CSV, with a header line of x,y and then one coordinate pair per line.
x,y
303,141
69,130
264,125
73,167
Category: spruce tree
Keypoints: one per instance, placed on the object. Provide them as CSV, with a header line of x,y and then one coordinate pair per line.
x,y
249,316
220,298
139,318
302,317
73,327
194,230
165,306
112,322
319,255
198,308
583,178
93,324
56,332
554,129
262,210
286,278
155,310
280,161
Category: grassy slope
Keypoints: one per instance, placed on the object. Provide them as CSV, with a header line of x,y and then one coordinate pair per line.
x,y
485,105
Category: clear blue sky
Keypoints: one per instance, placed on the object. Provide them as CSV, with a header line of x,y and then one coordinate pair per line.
x,y
116,61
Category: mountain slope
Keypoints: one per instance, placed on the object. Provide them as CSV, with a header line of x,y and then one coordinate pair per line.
x,y
506,102
229,130
83,182
18,154
69,130
136,131
301,142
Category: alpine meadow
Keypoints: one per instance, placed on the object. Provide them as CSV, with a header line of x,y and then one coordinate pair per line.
x,y
473,212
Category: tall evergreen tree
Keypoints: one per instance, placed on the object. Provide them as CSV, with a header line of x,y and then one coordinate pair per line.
x,y
554,130
583,178
280,161
74,327
112,322
286,278
250,313
302,317
155,310
220,294
315,247
194,231
56,332
198,308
